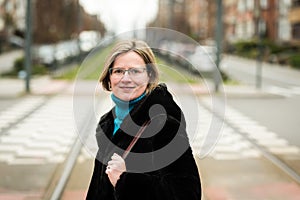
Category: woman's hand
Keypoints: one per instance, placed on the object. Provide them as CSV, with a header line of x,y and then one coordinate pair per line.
x,y
116,166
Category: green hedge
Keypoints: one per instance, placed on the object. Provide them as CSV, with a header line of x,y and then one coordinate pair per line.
x,y
272,52
36,69
294,61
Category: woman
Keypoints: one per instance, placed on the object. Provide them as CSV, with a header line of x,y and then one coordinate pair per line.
x,y
160,165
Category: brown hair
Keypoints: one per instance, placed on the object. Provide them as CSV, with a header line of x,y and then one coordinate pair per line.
x,y
139,47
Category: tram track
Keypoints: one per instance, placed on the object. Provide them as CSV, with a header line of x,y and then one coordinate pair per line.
x,y
271,157
87,121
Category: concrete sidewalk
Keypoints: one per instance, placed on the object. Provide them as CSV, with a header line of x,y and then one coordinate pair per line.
x,y
44,85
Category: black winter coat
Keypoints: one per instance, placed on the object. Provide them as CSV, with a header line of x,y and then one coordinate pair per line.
x,y
160,166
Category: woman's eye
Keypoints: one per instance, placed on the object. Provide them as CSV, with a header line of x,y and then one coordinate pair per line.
x,y
118,71
135,71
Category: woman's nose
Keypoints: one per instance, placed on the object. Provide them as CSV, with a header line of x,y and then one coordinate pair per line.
x,y
126,76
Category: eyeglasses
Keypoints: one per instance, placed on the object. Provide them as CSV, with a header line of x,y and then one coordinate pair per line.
x,y
132,72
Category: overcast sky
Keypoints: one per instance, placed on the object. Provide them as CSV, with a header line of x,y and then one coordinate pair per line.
x,y
122,15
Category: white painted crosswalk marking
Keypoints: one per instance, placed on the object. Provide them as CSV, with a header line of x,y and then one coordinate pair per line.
x,y
287,92
232,145
44,137
19,110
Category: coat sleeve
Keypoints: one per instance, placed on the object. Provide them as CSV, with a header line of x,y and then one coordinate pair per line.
x,y
100,187
180,180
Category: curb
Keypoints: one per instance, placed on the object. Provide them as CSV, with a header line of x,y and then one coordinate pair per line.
x,y
14,88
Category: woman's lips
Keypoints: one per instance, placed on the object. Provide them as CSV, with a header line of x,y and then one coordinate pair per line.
x,y
127,88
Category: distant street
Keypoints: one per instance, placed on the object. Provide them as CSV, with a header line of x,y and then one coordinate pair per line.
x,y
273,75
281,113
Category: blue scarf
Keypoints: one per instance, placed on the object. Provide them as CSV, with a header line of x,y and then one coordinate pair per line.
x,y
122,109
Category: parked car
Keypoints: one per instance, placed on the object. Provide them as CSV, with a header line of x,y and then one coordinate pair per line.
x,y
66,51
44,54
203,58
16,41
88,40
53,55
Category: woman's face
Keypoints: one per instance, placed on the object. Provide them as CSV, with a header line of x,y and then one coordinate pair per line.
x,y
132,83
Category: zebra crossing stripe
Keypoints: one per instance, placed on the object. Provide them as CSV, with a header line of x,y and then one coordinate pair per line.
x,y
232,145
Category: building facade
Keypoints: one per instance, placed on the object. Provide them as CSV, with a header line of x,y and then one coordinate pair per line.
x,y
276,20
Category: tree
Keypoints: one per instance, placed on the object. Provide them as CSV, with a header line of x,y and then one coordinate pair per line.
x,y
57,20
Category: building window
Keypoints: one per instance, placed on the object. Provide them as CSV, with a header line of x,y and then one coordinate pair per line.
x,y
296,31
250,4
296,3
241,6
284,29
264,4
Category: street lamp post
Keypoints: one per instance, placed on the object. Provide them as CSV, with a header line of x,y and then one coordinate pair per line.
x,y
259,58
171,14
258,78
219,35
28,46
79,24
